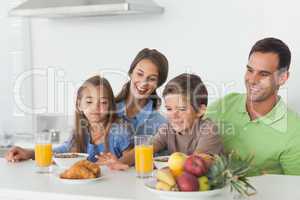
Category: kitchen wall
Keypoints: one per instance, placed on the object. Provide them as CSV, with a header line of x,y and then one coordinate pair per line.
x,y
209,37
14,61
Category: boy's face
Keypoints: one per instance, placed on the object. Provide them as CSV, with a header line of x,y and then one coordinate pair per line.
x,y
180,113
94,103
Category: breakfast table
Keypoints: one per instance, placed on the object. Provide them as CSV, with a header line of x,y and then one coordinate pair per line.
x,y
19,181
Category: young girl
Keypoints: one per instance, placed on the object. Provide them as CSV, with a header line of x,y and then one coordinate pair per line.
x,y
97,128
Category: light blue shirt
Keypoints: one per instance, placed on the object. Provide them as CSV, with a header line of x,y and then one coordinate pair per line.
x,y
119,140
145,122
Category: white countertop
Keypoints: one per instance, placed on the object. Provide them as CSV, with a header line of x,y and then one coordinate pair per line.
x,y
19,181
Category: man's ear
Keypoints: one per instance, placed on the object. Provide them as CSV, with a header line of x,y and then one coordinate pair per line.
x,y
201,110
283,77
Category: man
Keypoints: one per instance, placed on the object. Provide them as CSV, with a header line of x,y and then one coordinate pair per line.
x,y
259,122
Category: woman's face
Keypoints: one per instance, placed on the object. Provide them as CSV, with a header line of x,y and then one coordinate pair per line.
x,y
144,79
94,103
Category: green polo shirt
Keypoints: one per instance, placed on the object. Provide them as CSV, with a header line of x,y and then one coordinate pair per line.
x,y
274,139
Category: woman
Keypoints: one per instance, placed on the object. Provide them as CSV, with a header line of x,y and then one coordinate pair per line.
x,y
138,101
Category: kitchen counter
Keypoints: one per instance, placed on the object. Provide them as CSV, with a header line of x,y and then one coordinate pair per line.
x,y
18,181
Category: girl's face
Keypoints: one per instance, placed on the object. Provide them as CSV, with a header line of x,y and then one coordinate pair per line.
x,y
94,103
144,79
180,113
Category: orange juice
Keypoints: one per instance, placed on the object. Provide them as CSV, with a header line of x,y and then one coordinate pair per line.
x,y
43,155
144,158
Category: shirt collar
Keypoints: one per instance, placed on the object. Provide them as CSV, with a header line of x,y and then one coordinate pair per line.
x,y
141,116
277,112
192,131
242,106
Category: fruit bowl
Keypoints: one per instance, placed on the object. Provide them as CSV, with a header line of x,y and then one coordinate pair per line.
x,y
66,160
161,161
217,194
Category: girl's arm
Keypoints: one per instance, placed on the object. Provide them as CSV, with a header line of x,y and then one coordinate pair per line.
x,y
17,154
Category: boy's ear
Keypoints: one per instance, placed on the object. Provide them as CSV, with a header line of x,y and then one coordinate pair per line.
x,y
201,110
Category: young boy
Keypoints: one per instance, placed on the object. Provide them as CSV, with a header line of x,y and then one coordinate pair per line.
x,y
187,131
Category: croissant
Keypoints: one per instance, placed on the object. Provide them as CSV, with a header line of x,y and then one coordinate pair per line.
x,y
90,166
83,169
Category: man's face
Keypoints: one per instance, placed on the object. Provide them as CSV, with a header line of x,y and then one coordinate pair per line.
x,y
262,77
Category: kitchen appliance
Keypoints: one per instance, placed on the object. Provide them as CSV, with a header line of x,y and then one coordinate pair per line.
x,y
81,8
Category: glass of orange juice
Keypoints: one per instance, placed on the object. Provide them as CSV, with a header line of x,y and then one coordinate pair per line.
x,y
143,147
43,152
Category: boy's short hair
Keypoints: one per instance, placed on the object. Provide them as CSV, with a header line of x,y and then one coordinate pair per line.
x,y
190,86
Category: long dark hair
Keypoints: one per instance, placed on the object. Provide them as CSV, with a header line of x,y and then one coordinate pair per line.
x,y
162,65
81,122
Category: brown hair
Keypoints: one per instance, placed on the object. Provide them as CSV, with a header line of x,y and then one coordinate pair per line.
x,y
81,122
274,45
190,86
160,61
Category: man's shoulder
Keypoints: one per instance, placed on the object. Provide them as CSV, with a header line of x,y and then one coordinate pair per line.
x,y
227,102
232,97
293,119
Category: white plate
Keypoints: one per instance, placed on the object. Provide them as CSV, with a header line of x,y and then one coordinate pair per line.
x,y
218,194
80,181
160,164
77,181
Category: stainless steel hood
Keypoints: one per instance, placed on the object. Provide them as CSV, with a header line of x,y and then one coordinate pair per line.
x,y
82,8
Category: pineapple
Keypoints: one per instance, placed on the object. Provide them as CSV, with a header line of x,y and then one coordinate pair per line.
x,y
231,170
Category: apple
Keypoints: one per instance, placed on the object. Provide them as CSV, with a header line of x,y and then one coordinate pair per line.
x,y
203,183
209,159
176,162
195,165
187,182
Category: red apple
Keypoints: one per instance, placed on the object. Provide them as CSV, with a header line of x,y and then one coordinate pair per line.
x,y
187,182
195,165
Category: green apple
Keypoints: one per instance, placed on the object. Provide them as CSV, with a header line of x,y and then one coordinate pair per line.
x,y
203,183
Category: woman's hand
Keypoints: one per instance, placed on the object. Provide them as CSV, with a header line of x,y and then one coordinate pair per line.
x,y
118,166
106,158
17,154
111,161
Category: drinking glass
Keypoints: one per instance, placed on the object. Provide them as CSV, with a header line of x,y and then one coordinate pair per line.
x,y
43,152
143,156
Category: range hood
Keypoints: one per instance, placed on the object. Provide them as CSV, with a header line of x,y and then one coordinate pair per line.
x,y
82,8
